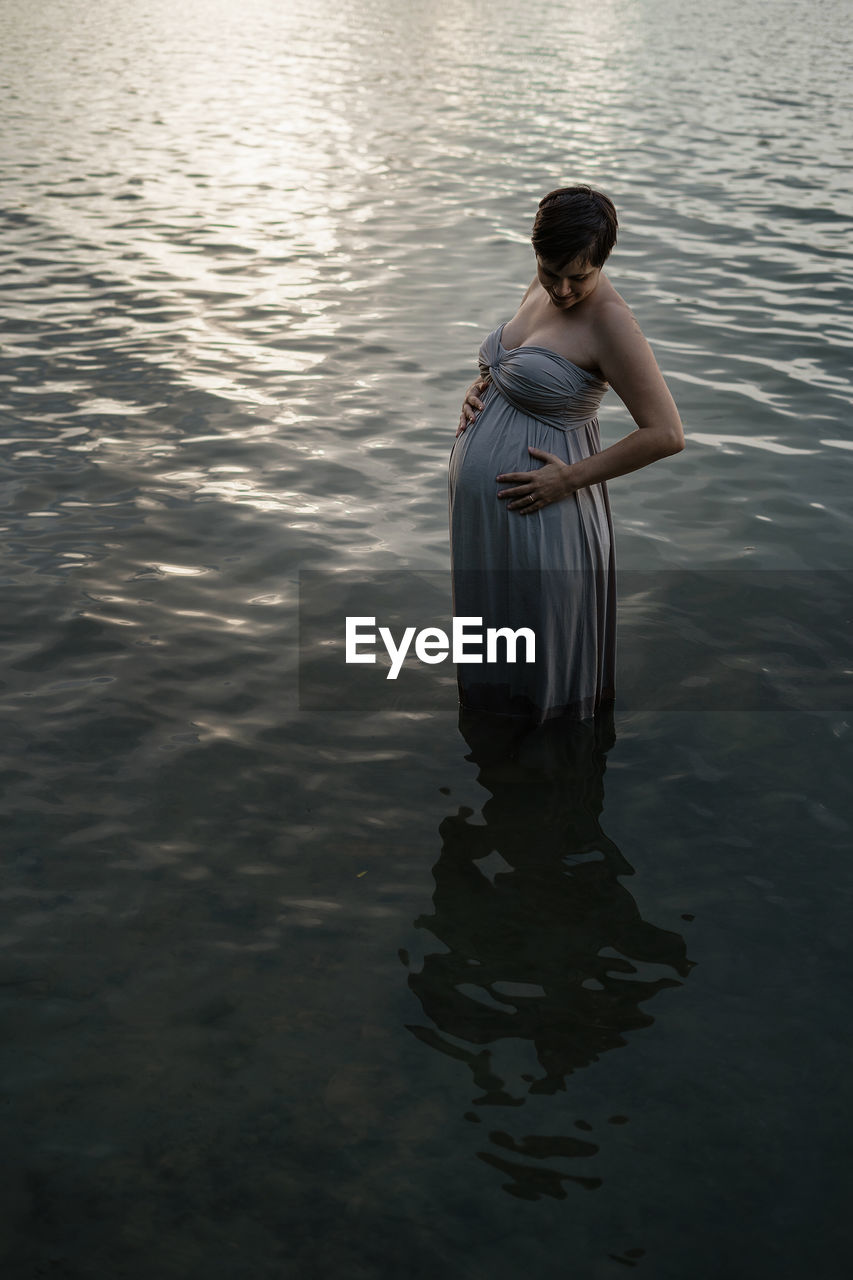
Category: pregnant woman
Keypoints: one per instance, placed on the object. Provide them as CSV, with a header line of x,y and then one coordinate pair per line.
x,y
531,536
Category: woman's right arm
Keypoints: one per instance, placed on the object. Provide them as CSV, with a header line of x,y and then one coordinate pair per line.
x,y
472,403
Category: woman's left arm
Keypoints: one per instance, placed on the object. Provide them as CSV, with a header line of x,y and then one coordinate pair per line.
x,y
627,362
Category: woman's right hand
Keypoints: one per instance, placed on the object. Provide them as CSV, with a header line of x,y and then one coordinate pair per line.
x,y
472,403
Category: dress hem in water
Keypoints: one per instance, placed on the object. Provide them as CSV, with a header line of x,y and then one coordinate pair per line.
x,y
494,700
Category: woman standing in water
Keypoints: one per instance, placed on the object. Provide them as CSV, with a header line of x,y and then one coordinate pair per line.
x,y
531,536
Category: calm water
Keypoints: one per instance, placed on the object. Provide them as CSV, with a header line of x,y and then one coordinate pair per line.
x,y
298,989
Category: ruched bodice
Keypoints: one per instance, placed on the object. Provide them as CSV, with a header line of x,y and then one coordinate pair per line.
x,y
552,571
542,383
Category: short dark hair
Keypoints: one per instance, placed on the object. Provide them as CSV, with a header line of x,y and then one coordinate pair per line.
x,y
575,222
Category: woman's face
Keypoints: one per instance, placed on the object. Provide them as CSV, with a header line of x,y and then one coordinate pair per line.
x,y
568,284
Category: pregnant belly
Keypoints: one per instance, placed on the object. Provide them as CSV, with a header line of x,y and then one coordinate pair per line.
x,y
496,443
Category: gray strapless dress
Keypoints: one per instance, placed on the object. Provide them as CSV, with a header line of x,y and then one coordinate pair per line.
x,y
553,571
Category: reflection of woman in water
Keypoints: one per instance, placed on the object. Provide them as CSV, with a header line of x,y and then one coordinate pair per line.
x,y
530,529
525,904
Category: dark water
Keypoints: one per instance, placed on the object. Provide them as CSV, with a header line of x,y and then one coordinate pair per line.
x,y
319,989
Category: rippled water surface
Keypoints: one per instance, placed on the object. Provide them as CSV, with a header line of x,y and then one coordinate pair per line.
x,y
301,989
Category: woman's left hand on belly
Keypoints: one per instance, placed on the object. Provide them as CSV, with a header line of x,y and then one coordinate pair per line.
x,y
537,489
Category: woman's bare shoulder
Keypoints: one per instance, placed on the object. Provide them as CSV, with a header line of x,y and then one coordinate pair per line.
x,y
528,291
628,363
614,323
612,307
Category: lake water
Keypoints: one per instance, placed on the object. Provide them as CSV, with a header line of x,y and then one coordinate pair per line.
x,y
307,986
